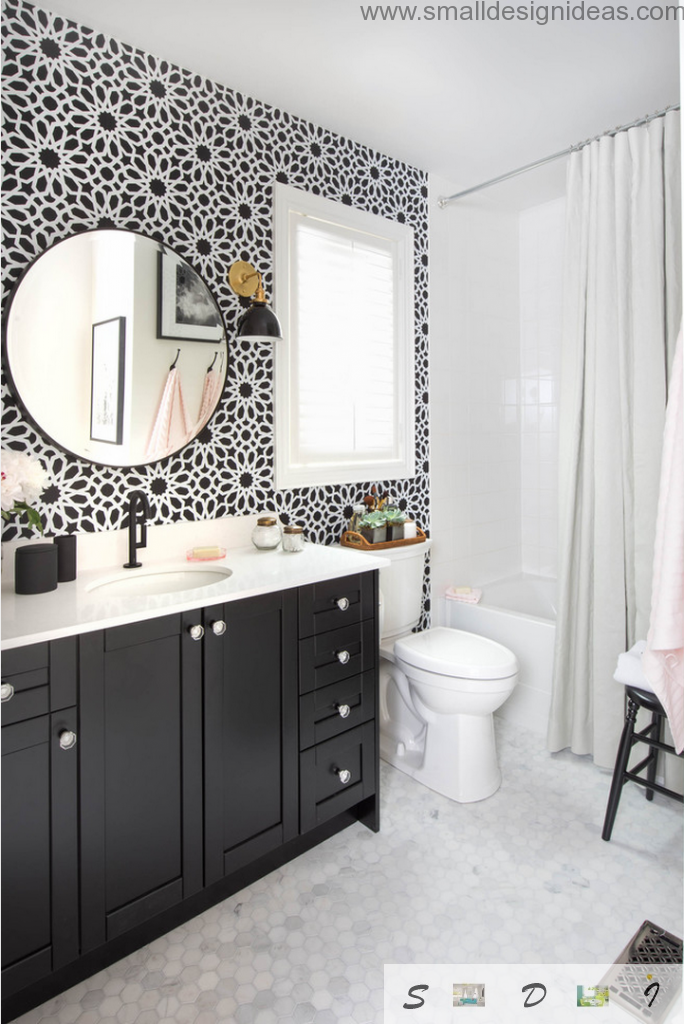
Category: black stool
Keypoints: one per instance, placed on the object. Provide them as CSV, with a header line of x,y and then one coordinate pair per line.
x,y
650,735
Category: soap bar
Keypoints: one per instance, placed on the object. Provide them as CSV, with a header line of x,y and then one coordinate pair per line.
x,y
206,554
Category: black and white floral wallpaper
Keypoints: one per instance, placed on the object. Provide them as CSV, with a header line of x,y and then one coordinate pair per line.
x,y
98,133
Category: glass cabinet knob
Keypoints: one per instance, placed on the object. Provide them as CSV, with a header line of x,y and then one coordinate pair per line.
x,y
343,657
67,739
6,692
343,710
219,627
342,603
344,775
196,632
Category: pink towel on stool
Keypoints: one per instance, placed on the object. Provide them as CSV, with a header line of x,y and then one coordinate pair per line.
x,y
663,659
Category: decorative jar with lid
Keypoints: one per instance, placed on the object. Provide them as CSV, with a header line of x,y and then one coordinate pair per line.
x,y
266,533
293,538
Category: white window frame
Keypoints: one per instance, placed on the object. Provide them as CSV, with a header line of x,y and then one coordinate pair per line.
x,y
291,204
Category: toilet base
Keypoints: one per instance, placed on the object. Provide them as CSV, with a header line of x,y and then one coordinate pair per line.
x,y
459,759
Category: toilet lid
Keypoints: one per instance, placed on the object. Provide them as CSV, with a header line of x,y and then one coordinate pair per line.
x,y
453,652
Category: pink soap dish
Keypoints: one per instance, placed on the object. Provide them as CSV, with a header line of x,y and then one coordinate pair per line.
x,y
213,554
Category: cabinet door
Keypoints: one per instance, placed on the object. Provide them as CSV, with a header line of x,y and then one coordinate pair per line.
x,y
250,727
39,849
141,761
26,843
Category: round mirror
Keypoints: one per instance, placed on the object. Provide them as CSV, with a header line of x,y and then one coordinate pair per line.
x,y
115,348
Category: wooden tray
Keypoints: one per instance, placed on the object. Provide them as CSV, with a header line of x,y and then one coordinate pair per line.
x,y
356,540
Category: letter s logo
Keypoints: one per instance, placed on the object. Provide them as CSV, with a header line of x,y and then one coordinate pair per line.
x,y
412,993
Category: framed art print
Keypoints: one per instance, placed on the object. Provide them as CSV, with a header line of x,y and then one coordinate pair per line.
x,y
107,380
187,310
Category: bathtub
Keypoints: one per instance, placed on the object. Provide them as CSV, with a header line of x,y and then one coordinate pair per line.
x,y
520,613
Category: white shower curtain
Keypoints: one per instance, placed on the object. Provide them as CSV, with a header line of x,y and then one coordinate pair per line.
x,y
622,310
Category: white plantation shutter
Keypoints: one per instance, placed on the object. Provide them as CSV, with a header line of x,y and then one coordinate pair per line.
x,y
344,375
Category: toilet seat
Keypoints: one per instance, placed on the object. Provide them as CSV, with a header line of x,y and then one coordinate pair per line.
x,y
455,653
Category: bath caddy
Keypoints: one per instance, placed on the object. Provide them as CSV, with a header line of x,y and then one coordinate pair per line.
x,y
350,539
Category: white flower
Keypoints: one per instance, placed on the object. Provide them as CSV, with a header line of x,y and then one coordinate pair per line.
x,y
11,488
23,479
35,481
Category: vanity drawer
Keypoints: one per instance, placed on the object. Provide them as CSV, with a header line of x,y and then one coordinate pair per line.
x,y
336,603
336,655
26,695
322,792
319,710
24,659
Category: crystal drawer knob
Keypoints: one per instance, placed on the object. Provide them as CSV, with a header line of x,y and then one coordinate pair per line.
x,y
196,632
342,603
344,775
343,657
6,692
67,739
343,710
218,627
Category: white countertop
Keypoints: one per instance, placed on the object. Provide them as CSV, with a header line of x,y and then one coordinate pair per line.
x,y
77,608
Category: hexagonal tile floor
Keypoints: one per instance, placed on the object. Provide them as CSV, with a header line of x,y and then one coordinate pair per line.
x,y
523,877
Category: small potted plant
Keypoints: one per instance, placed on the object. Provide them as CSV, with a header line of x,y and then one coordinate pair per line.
x,y
373,527
395,523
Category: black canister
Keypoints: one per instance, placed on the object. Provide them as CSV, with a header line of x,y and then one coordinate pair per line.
x,y
35,568
66,558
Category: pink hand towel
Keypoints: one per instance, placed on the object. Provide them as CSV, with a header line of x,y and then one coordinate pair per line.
x,y
663,659
170,430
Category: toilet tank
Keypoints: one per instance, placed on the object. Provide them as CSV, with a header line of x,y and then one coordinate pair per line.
x,y
401,589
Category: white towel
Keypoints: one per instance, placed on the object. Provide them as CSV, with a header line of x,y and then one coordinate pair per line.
x,y
629,669
663,659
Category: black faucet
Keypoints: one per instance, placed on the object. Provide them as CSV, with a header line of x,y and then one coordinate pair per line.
x,y
135,518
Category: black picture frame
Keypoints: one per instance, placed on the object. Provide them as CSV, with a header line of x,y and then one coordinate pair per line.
x,y
187,310
107,380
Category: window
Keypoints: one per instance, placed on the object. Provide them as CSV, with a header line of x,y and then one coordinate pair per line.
x,y
344,373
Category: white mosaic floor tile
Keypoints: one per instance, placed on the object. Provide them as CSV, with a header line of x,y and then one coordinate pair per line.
x,y
523,877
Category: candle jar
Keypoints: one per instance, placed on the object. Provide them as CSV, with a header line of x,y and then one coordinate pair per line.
x,y
266,533
293,538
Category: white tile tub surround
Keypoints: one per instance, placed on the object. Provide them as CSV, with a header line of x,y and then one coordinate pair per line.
x,y
474,400
542,230
518,612
523,877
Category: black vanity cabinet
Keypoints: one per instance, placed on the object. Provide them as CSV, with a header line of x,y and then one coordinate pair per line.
x,y
141,772
39,812
152,769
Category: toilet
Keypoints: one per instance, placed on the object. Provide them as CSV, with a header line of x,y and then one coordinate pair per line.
x,y
438,689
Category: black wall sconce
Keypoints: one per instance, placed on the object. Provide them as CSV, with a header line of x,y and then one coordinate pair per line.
x,y
259,321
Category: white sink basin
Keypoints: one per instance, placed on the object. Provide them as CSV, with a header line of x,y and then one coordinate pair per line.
x,y
150,582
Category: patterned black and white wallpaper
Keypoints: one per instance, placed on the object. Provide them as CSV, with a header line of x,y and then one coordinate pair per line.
x,y
98,134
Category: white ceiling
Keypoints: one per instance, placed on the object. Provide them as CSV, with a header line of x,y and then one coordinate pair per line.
x,y
467,101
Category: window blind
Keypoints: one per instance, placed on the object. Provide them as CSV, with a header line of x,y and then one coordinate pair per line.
x,y
345,366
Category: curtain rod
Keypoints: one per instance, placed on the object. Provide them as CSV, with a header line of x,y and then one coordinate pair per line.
x,y
443,201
